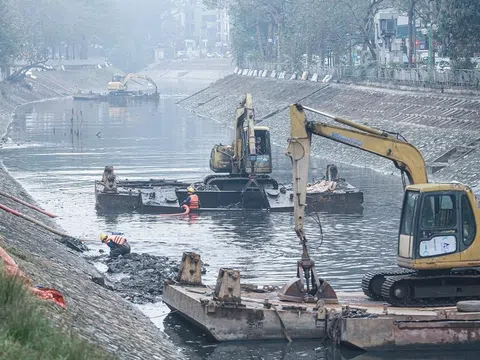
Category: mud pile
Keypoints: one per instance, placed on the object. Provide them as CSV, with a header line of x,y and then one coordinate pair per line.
x,y
138,278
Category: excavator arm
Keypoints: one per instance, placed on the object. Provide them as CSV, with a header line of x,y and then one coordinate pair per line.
x,y
245,124
405,156
137,76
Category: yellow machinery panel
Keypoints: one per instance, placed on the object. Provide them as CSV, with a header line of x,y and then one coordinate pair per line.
x,y
221,159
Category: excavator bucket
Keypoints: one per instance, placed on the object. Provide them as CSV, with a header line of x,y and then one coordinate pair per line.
x,y
326,293
294,290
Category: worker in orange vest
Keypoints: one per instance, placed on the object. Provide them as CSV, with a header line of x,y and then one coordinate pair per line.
x,y
118,244
192,200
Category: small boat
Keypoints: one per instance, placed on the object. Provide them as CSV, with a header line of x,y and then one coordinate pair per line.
x,y
112,96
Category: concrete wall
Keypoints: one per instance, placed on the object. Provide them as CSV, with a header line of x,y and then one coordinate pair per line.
x,y
97,314
434,122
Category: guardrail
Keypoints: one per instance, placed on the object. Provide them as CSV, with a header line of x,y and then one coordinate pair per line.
x,y
416,76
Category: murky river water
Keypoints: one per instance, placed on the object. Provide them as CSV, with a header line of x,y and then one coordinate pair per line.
x,y
58,148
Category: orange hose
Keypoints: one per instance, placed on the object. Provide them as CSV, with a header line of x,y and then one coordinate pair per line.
x,y
32,220
186,212
11,197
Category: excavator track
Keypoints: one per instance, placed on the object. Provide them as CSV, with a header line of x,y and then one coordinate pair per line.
x,y
417,290
373,280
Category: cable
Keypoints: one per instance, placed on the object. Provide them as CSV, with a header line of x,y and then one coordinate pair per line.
x,y
398,135
317,220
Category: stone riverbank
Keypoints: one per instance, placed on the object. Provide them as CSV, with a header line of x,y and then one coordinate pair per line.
x,y
96,313
438,124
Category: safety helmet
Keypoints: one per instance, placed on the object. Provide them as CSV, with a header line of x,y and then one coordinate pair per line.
x,y
191,189
103,237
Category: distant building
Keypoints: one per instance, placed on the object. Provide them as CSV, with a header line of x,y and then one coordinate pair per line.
x,y
203,31
389,46
391,37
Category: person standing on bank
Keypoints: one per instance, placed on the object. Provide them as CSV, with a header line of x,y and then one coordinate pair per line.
x,y
118,244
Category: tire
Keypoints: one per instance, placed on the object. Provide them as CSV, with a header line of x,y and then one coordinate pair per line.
x,y
469,306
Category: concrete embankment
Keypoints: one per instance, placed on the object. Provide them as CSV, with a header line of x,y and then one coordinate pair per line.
x,y
444,127
191,70
96,313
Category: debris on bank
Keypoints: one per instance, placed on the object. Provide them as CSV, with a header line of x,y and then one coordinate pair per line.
x,y
138,278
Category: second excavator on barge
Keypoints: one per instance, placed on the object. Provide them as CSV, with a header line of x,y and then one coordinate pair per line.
x,y
241,180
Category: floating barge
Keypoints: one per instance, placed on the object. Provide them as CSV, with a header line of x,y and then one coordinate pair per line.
x,y
166,196
134,95
230,311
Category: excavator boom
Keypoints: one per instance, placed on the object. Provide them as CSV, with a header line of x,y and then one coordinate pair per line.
x,y
404,155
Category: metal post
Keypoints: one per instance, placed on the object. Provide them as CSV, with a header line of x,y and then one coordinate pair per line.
x,y
351,54
430,49
432,36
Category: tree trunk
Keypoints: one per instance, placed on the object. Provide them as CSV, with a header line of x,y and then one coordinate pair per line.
x,y
411,32
269,45
259,40
366,38
322,54
373,51
309,53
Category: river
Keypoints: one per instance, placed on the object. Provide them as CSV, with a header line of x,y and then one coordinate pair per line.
x,y
56,149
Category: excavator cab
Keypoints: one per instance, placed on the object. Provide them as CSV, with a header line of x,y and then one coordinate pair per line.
x,y
250,152
263,152
118,78
223,160
437,227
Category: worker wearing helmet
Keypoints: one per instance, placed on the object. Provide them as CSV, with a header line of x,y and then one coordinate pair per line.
x,y
192,200
118,244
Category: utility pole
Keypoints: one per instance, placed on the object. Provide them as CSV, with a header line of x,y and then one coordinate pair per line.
x,y
430,49
433,7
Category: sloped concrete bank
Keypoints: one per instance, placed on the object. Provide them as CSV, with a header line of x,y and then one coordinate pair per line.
x,y
96,313
435,123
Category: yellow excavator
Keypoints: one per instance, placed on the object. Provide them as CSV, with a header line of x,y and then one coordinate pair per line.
x,y
248,157
438,241
119,83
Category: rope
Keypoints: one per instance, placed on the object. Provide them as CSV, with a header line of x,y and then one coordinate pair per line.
x,y
333,331
284,329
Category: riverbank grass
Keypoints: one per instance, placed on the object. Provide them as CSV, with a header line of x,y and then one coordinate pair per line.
x,y
26,332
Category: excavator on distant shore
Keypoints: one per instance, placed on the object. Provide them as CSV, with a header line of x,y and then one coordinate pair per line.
x,y
439,238
119,83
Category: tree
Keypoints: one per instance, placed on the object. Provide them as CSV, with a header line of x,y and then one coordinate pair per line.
x,y
9,33
286,30
459,29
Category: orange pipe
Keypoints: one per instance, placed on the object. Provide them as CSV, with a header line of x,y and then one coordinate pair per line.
x,y
32,220
11,197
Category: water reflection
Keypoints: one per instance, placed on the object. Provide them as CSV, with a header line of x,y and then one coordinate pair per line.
x,y
58,167
146,143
